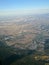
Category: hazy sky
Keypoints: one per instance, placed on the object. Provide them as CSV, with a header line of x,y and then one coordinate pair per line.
x,y
19,7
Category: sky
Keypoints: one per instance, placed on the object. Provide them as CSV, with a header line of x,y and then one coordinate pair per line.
x,y
23,7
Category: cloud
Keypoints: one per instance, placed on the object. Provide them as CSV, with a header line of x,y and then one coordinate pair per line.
x,y
23,12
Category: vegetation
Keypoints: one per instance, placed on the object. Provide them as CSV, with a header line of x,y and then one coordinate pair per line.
x,y
32,60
